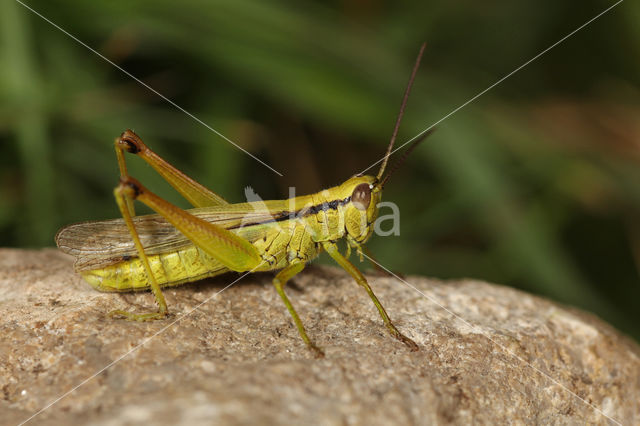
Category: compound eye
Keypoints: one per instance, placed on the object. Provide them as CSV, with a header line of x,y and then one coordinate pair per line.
x,y
361,196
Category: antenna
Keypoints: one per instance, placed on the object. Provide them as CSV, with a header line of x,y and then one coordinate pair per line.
x,y
405,154
401,113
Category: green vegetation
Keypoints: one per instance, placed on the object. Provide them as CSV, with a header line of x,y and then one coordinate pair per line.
x,y
534,185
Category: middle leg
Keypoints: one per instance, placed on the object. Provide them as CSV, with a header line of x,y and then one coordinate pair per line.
x,y
279,282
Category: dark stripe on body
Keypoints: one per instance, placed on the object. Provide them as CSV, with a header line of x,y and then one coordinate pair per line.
x,y
303,212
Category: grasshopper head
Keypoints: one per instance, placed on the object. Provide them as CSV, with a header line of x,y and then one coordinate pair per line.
x,y
364,193
362,209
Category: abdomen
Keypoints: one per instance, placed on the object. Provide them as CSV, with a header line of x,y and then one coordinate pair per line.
x,y
169,269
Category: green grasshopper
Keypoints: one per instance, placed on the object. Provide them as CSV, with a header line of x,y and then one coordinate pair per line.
x,y
177,246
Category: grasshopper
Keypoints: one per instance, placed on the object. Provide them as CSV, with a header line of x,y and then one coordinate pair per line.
x,y
176,246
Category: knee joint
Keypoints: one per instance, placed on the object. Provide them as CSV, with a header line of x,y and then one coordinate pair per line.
x,y
130,187
130,142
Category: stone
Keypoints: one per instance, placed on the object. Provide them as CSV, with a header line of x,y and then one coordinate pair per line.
x,y
488,354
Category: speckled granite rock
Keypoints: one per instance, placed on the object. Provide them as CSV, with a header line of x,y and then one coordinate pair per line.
x,y
238,359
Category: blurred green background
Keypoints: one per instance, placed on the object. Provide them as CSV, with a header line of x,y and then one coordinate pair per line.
x,y
533,185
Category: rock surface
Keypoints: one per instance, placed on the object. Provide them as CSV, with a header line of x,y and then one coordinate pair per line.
x,y
505,356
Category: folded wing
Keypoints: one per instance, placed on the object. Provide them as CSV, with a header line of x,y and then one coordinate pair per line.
x,y
103,243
